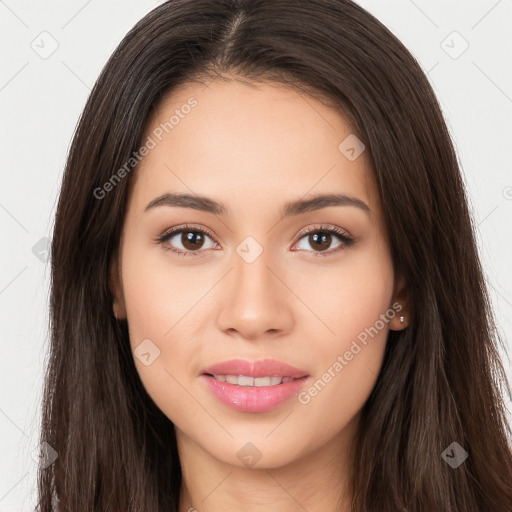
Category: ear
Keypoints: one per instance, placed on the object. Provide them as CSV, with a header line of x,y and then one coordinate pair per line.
x,y
401,305
116,287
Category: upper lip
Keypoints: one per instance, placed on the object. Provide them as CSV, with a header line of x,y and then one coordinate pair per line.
x,y
259,368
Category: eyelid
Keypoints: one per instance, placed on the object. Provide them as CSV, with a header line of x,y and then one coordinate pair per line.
x,y
184,227
324,227
304,231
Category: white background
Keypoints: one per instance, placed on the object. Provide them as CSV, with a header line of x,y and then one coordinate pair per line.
x,y
41,100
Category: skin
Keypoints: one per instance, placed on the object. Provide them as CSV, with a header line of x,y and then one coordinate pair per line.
x,y
253,148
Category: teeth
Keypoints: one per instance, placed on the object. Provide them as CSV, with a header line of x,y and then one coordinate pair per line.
x,y
263,381
244,380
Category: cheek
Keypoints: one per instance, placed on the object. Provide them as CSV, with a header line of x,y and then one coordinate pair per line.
x,y
158,294
347,297
354,352
160,301
349,356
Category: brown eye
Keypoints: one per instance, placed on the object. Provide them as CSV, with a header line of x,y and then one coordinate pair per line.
x,y
321,239
186,241
192,240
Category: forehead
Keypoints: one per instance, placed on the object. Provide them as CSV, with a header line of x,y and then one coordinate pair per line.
x,y
243,142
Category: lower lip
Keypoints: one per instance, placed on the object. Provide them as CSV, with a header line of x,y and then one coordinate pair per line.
x,y
252,398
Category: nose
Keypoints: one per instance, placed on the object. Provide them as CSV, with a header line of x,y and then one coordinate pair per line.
x,y
255,301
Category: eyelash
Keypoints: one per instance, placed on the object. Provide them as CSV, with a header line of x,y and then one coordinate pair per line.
x,y
346,240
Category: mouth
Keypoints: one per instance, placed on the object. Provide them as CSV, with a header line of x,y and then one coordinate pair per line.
x,y
248,381
254,386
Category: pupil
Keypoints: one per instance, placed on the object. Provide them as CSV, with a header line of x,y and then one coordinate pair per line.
x,y
321,240
191,240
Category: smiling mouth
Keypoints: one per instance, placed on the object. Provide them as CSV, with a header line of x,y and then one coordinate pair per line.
x,y
247,393
246,381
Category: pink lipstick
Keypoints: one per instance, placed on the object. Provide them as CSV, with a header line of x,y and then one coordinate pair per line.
x,y
253,386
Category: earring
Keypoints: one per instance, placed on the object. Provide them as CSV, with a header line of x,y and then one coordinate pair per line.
x,y
401,319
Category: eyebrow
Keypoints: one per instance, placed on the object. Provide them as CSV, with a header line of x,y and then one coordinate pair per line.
x,y
206,204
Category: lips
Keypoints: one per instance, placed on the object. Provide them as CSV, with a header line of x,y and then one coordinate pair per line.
x,y
255,369
253,386
245,380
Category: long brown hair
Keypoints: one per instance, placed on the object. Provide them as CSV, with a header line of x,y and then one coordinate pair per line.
x,y
442,379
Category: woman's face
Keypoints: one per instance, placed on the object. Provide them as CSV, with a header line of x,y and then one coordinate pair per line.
x,y
256,274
